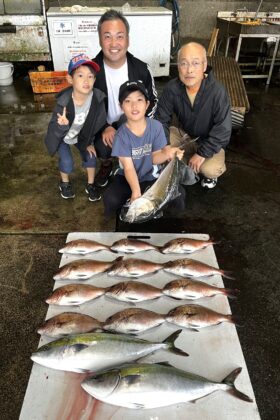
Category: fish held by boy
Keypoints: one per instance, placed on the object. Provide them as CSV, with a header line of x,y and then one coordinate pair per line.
x,y
97,351
196,317
193,268
82,269
68,323
83,247
144,386
165,189
133,267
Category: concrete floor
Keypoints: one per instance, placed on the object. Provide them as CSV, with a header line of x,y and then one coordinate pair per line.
x,y
242,212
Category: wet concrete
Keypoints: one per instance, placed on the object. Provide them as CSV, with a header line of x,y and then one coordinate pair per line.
x,y
242,212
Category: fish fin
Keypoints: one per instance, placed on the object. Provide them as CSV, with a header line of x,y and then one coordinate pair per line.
x,y
164,364
137,406
118,259
230,379
112,250
234,319
170,340
227,274
232,293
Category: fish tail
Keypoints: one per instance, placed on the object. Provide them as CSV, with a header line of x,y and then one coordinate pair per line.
x,y
232,293
170,340
227,274
234,319
230,379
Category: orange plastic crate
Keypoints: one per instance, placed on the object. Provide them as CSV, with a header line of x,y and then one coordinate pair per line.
x,y
48,81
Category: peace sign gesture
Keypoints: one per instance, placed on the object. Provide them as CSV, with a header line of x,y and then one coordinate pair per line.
x,y
61,119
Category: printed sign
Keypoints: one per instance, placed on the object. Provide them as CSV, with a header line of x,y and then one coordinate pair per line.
x,y
86,26
63,28
73,48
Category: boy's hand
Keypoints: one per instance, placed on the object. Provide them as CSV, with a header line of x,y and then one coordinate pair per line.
x,y
91,150
172,152
108,136
134,196
61,119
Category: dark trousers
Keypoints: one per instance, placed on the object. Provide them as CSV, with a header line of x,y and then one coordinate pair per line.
x,y
119,192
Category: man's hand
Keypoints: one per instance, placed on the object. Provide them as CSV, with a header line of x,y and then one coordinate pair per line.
x,y
195,162
91,150
108,136
61,119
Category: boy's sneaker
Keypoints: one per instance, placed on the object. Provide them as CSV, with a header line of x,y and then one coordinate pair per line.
x,y
104,173
66,190
93,193
209,182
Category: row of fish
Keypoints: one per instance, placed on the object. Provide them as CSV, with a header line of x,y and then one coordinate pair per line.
x,y
134,321
133,291
134,245
135,267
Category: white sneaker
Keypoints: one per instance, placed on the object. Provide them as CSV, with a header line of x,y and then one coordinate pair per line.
x,y
209,182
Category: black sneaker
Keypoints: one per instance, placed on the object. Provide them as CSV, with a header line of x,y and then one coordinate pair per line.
x,y
104,173
66,190
209,182
93,193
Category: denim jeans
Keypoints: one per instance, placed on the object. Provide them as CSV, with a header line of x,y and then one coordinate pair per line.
x,y
66,162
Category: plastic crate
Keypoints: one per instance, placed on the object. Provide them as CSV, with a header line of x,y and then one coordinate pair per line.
x,y
48,81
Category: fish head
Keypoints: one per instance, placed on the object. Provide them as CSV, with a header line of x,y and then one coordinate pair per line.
x,y
102,385
139,209
63,273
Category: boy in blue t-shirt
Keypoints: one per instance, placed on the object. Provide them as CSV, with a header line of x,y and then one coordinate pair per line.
x,y
140,145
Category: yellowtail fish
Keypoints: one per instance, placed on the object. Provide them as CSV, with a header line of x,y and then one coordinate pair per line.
x,y
69,323
194,289
74,294
196,317
83,247
144,386
82,269
133,267
97,351
131,246
133,321
185,245
192,268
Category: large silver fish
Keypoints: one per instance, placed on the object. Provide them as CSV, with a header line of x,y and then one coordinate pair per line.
x,y
142,386
196,317
82,269
194,289
131,246
133,267
185,245
74,294
192,268
69,323
83,247
133,291
98,351
133,321
161,192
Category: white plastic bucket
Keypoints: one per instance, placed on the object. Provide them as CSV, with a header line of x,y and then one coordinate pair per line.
x,y
6,74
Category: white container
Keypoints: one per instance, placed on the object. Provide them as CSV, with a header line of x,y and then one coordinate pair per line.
x,y
6,73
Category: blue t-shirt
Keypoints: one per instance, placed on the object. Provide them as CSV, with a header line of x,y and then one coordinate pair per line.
x,y
140,149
